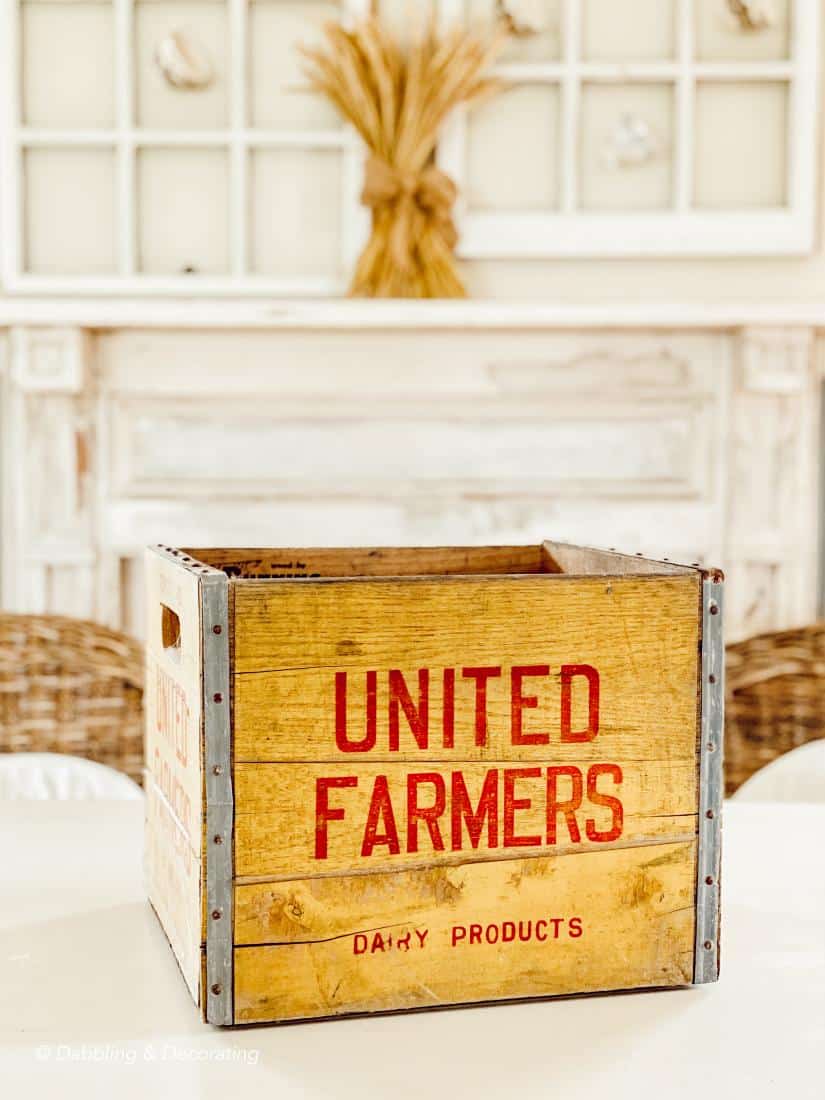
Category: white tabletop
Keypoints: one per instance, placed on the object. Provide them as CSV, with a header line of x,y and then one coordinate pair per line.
x,y
92,1003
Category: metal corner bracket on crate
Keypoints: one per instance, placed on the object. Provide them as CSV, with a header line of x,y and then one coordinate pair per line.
x,y
219,805
711,785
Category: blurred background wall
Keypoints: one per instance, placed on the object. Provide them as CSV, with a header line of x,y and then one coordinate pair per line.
x,y
639,364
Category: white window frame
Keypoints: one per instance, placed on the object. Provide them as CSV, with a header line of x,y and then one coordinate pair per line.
x,y
678,230
125,138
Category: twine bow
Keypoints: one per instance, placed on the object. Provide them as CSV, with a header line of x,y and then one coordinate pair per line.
x,y
414,203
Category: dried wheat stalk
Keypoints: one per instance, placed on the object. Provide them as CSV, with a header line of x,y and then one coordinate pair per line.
x,y
398,101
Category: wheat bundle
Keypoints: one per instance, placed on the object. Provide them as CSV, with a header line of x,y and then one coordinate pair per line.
x,y
398,101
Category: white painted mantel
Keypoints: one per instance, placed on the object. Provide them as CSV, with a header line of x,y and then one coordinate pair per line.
x,y
690,432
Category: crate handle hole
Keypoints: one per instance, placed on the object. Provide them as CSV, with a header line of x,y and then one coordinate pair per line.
x,y
170,630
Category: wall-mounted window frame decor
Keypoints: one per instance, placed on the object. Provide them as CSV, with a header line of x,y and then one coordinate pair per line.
x,y
131,152
567,226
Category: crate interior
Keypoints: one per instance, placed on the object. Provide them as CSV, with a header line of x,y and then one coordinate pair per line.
x,y
291,563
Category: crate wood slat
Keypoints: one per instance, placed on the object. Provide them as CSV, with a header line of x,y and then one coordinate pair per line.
x,y
378,561
634,905
434,776
658,804
287,641
174,771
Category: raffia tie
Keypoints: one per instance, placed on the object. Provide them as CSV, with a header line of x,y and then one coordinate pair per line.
x,y
416,201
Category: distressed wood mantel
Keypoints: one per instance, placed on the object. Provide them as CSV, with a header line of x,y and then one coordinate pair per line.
x,y
683,430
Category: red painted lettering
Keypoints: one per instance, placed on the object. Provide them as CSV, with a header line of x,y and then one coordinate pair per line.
x,y
380,809
448,722
609,800
520,702
512,805
417,716
567,807
324,813
481,676
341,738
462,810
568,673
428,814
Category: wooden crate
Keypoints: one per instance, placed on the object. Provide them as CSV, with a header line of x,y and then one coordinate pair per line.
x,y
392,779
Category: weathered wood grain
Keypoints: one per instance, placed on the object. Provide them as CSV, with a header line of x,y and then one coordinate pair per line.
x,y
175,805
276,815
566,558
641,634
379,561
174,880
316,952
316,909
172,698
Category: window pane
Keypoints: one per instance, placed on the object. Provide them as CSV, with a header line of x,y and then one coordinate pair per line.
x,y
296,196
69,211
538,27
721,36
740,145
199,27
67,65
512,150
628,30
182,211
279,95
626,145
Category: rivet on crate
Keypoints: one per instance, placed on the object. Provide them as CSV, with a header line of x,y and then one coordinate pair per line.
x,y
216,914
217,989
217,770
217,697
217,628
217,839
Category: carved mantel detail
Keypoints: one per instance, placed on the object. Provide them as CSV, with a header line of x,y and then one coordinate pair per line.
x,y
773,502
776,360
49,360
48,472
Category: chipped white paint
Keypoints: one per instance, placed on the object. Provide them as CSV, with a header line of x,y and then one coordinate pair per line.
x,y
696,445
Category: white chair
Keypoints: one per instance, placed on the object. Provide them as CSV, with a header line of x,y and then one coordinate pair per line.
x,y
797,776
46,775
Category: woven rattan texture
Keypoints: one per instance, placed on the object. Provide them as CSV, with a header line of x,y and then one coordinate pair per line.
x,y
73,687
775,698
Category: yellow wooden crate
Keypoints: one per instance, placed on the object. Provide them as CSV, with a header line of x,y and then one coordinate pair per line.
x,y
385,779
